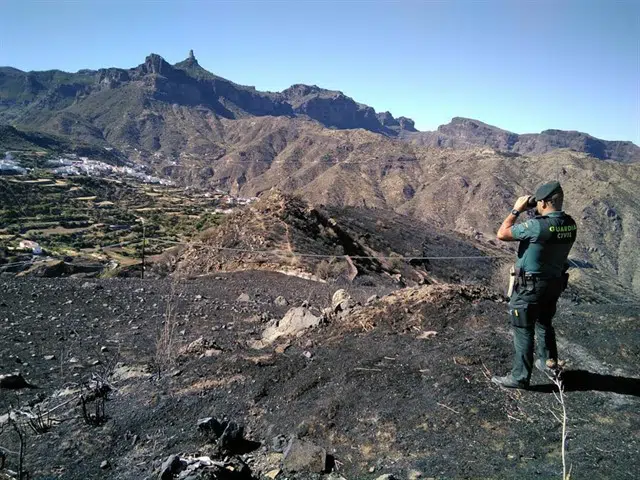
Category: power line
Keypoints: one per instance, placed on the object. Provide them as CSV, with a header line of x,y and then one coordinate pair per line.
x,y
296,254
471,257
358,257
317,255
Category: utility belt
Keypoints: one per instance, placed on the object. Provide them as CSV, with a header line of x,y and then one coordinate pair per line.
x,y
518,277
525,277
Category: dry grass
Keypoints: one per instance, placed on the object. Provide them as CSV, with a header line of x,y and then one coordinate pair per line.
x,y
166,348
210,384
556,377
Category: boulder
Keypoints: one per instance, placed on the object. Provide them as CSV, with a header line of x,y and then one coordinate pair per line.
x,y
295,321
372,299
304,456
341,301
232,437
281,301
243,298
210,425
14,381
200,346
171,466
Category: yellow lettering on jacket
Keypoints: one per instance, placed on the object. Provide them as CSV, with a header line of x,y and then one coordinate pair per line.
x,y
566,228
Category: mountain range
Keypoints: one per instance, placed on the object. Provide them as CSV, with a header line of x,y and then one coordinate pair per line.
x,y
159,107
183,122
220,373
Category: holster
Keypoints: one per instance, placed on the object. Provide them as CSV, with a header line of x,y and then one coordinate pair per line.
x,y
512,281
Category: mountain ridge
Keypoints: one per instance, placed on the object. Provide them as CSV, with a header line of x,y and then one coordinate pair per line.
x,y
466,132
75,104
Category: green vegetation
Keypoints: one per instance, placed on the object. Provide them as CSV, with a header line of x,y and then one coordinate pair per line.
x,y
98,219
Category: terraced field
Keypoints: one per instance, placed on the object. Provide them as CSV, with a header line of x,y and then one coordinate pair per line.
x,y
101,220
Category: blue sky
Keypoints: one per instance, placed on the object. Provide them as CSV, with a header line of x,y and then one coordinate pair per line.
x,y
521,65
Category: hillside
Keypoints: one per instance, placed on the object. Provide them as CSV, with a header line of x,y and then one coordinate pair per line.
x,y
465,190
88,225
18,140
366,247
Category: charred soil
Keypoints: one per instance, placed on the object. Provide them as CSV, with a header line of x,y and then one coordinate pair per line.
x,y
399,384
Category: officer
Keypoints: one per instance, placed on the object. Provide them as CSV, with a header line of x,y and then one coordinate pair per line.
x,y
540,278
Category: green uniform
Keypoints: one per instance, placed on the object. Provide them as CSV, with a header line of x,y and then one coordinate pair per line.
x,y
545,242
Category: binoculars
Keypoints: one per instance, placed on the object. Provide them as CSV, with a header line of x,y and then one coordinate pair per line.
x,y
531,202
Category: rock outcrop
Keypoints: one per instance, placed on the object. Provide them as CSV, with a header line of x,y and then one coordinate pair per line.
x,y
295,321
466,132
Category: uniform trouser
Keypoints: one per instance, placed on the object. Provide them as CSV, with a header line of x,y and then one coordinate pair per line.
x,y
532,307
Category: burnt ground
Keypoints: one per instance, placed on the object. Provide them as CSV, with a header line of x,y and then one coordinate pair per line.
x,y
377,397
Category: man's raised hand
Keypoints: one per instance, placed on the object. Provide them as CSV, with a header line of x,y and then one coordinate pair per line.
x,y
521,203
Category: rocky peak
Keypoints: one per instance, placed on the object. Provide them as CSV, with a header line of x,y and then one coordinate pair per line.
x,y
462,125
112,77
462,122
154,63
386,119
301,90
407,124
191,59
403,123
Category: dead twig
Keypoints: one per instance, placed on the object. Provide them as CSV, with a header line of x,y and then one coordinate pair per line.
x,y
23,445
22,438
51,410
98,416
40,422
95,392
555,375
486,372
448,408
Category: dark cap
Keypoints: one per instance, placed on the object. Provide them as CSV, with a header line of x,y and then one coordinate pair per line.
x,y
548,189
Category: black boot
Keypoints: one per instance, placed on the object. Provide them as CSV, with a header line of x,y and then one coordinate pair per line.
x,y
509,382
